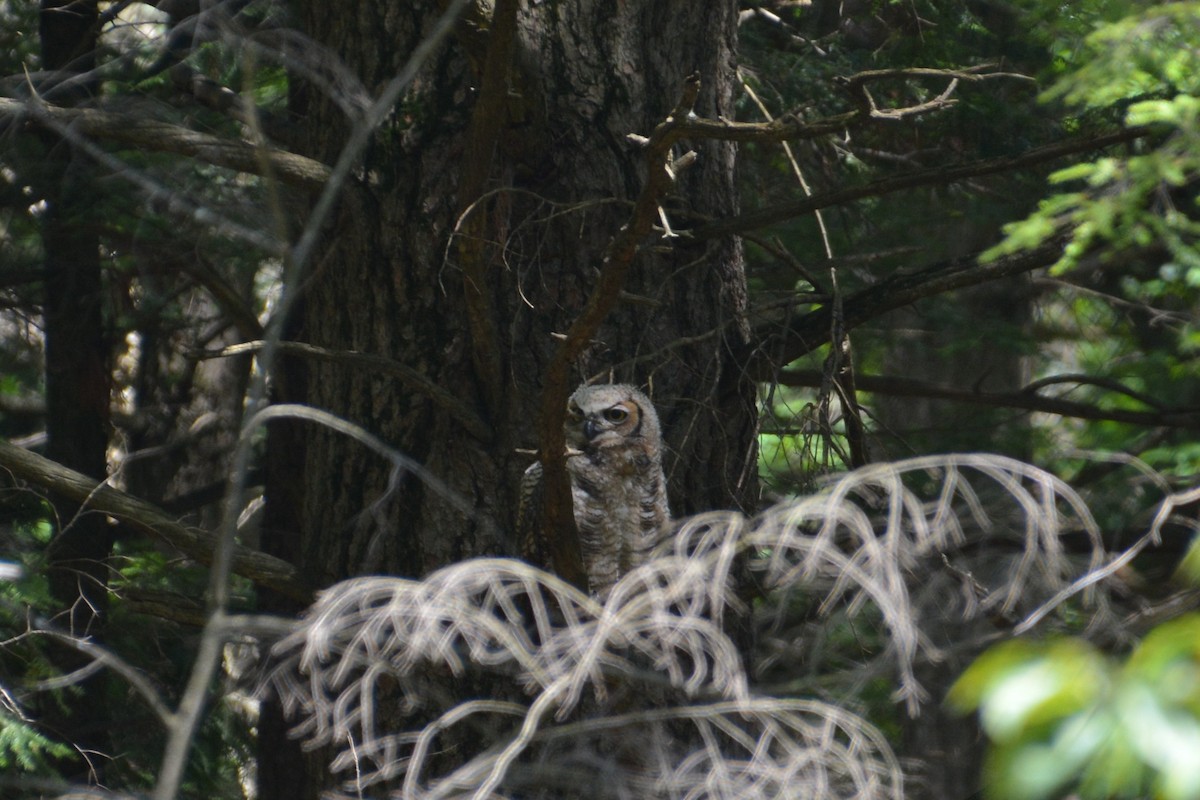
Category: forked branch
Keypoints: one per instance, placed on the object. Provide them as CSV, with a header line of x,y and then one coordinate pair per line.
x,y
557,516
792,126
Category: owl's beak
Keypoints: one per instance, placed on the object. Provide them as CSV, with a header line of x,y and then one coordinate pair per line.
x,y
590,429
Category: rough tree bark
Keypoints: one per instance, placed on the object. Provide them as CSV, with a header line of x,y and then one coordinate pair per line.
x,y
391,281
472,238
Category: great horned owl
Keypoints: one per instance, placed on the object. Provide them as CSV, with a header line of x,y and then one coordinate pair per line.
x,y
614,461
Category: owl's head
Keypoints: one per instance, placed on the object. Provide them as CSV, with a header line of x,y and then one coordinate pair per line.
x,y
609,415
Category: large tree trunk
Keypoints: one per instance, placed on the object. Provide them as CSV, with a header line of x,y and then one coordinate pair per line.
x,y
390,280
477,313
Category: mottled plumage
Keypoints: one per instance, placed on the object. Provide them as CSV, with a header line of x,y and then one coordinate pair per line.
x,y
615,465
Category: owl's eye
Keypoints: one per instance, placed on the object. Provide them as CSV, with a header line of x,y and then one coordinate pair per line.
x,y
616,414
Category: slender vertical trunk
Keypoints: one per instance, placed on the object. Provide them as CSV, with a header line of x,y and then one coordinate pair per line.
x,y
77,380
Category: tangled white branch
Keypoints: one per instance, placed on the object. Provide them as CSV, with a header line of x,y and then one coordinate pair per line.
x,y
647,694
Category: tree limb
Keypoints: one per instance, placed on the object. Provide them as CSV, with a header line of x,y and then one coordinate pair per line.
x,y
197,544
1026,399
149,134
911,180
975,73
558,520
810,331
791,126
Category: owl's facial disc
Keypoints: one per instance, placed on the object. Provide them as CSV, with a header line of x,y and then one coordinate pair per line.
x,y
611,425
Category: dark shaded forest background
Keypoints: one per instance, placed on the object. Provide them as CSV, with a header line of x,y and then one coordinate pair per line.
x,y
292,293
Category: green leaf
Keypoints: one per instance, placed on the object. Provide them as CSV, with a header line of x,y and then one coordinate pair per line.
x,y
1149,112
1165,739
1020,687
1189,568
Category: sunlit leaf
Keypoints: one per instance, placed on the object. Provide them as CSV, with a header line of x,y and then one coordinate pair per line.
x,y
1018,687
1189,568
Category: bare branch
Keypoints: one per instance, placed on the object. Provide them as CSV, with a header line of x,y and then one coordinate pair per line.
x,y
149,519
912,180
969,74
860,541
558,519
1026,398
862,545
792,127
516,620
144,133
856,85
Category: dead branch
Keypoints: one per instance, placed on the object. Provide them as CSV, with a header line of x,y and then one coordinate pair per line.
x,y
146,518
557,519
1026,398
791,126
144,133
860,94
968,74
912,180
